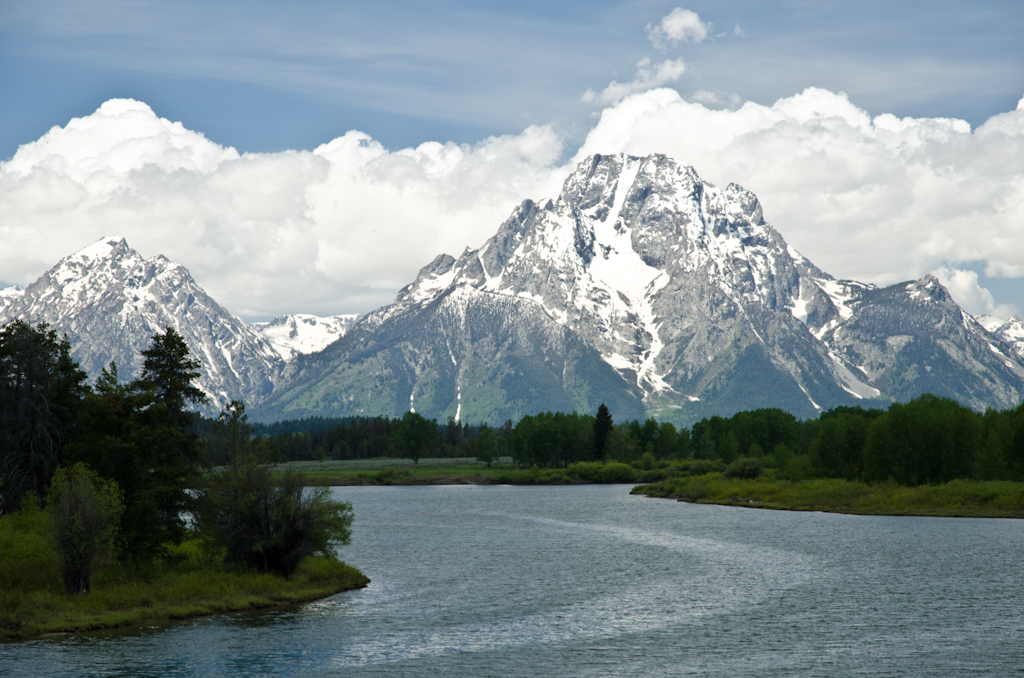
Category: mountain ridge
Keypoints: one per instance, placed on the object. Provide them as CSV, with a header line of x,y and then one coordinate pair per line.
x,y
682,288
640,285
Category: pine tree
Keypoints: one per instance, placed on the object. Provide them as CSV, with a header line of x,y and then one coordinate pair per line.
x,y
41,388
602,429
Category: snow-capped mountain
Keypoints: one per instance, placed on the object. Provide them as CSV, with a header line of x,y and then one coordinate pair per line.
x,y
645,286
641,286
1010,332
110,301
297,334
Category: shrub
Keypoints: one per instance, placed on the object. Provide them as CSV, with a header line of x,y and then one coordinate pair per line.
x,y
28,560
269,528
744,467
85,509
393,476
597,472
699,467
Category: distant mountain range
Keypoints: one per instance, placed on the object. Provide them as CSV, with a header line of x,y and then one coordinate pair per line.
x,y
640,286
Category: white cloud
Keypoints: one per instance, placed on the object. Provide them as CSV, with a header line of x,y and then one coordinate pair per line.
x,y
333,230
646,78
878,199
971,296
679,25
714,99
342,227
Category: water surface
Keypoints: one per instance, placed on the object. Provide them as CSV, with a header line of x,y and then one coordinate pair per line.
x,y
590,581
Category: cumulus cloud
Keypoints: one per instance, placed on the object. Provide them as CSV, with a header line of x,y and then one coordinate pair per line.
x,y
714,99
880,199
679,25
647,77
332,230
341,228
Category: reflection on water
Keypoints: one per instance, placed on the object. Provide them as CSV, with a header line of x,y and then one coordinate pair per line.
x,y
588,580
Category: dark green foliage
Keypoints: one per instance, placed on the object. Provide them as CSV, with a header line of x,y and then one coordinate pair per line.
x,y
27,558
611,472
486,445
744,467
552,439
40,391
928,440
603,424
85,510
415,436
142,436
269,528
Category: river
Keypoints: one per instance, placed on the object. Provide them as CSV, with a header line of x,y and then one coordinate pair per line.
x,y
591,581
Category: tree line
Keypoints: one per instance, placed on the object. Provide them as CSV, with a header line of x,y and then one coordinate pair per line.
x,y
926,440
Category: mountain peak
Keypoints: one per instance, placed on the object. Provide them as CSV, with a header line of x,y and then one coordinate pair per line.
x,y
110,301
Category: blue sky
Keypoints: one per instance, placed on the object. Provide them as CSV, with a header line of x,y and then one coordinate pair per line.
x,y
269,76
340,225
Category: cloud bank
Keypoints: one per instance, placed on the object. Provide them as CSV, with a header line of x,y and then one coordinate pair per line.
x,y
341,228
332,230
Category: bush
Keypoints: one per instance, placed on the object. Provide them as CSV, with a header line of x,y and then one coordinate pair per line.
x,y
699,467
744,467
597,472
85,509
393,476
27,557
269,528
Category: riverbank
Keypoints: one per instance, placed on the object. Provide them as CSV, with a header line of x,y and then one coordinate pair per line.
x,y
957,498
169,597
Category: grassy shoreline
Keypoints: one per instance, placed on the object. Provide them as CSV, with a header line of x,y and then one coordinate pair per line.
x,y
188,581
957,498
170,596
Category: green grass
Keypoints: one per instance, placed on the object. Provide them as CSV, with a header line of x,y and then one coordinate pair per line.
x,y
991,499
33,603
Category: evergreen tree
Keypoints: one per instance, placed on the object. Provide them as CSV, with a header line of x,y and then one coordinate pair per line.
x,y
603,425
142,436
41,388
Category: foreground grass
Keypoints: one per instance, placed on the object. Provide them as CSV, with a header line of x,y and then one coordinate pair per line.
x,y
962,498
32,602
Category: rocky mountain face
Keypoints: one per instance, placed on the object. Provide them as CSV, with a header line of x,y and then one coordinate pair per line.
x,y
110,301
646,288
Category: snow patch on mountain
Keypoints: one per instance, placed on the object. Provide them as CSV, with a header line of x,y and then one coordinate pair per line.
x,y
9,295
299,334
110,301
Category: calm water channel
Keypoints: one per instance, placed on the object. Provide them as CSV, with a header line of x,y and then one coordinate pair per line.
x,y
590,581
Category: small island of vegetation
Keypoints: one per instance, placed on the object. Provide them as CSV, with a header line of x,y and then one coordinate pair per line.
x,y
109,516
